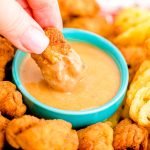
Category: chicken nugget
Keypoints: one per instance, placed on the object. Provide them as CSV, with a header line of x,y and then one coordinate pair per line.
x,y
128,135
130,17
132,54
61,66
29,132
97,24
6,54
11,100
96,137
148,142
147,47
80,8
3,124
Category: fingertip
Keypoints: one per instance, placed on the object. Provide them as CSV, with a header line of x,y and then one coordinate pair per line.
x,y
46,13
34,40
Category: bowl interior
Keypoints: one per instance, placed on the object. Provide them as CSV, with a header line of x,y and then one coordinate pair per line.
x,y
86,37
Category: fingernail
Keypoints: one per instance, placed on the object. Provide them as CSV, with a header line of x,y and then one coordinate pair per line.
x,y
34,40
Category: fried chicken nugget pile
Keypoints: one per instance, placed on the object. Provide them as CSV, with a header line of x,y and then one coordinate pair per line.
x,y
61,66
78,8
3,124
138,96
31,133
131,31
84,14
131,55
6,54
97,24
128,135
96,137
10,100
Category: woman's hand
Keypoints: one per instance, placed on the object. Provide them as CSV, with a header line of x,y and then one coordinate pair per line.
x,y
21,22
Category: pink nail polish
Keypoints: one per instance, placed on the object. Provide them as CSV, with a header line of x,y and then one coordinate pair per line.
x,y
34,40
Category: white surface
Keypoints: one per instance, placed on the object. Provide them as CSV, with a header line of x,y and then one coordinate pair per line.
x,y
113,5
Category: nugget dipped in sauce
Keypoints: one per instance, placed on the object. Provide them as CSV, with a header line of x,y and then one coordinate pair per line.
x,y
61,66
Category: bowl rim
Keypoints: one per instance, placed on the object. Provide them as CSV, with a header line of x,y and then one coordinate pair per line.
x,y
119,94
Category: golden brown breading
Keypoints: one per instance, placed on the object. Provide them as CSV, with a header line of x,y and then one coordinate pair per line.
x,y
130,135
148,142
132,54
69,8
96,137
6,54
61,66
11,100
31,133
3,124
97,24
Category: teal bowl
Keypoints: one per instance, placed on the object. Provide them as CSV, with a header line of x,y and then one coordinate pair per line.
x,y
85,117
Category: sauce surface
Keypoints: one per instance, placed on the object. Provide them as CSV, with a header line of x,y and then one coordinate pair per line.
x,y
99,84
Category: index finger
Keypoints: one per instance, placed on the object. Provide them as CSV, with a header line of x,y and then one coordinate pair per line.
x,y
46,13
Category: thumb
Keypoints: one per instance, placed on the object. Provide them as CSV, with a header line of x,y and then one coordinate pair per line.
x,y
18,27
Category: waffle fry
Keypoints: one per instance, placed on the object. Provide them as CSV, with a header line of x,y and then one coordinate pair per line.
x,y
130,17
139,109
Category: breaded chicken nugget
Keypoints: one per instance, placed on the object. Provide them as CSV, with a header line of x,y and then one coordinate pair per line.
x,y
6,54
132,54
61,66
31,133
69,8
3,124
128,135
96,137
11,100
148,142
97,24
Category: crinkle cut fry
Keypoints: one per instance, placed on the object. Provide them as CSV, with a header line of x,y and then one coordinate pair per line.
x,y
141,78
139,109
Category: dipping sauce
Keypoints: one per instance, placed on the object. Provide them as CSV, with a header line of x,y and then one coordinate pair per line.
x,y
99,84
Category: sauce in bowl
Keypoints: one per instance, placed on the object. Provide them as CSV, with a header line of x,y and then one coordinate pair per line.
x,y
99,84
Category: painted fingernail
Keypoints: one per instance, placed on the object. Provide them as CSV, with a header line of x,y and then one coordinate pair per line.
x,y
34,40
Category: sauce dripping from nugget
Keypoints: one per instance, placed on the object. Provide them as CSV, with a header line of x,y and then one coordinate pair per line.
x,y
61,66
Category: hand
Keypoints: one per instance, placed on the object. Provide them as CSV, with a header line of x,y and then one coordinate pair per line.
x,y
21,22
